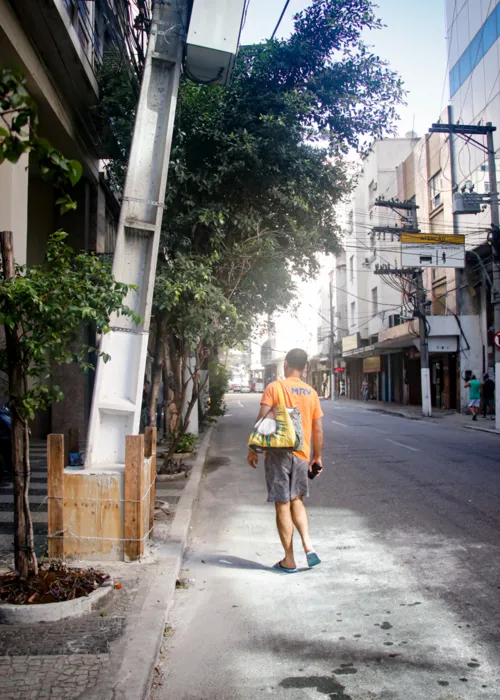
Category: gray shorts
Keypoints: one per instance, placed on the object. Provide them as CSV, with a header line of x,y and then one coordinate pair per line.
x,y
286,477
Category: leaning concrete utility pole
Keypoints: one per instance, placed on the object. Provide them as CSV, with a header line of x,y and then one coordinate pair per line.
x,y
117,397
495,229
206,42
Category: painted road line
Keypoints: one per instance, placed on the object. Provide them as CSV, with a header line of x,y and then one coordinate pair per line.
x,y
400,444
240,404
342,424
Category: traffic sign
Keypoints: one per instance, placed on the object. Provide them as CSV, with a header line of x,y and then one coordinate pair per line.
x,y
432,250
496,339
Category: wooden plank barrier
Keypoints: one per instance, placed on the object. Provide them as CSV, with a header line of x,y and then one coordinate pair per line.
x,y
90,515
55,492
133,493
150,452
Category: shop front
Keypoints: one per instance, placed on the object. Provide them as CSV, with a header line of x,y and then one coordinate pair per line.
x,y
372,368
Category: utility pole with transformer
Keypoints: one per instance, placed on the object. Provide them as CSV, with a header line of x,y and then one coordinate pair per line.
x,y
471,203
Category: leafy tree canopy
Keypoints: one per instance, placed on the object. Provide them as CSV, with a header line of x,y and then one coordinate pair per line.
x,y
48,303
256,165
19,134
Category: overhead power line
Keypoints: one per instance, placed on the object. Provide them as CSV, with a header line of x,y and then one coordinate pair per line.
x,y
281,17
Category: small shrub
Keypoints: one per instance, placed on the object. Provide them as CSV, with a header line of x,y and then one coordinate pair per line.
x,y
218,385
186,443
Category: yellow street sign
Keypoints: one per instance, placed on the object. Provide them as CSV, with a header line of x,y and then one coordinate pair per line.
x,y
433,238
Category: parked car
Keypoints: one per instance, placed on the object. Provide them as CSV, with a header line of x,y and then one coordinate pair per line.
x,y
245,389
236,388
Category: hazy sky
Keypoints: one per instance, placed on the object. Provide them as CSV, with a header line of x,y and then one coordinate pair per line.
x,y
414,44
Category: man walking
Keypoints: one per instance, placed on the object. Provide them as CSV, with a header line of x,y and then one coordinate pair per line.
x,y
474,386
287,472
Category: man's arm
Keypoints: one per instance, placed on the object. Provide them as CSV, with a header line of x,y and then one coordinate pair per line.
x,y
253,457
317,436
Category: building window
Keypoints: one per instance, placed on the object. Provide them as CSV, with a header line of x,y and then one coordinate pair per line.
x,y
375,301
353,313
351,268
476,50
435,188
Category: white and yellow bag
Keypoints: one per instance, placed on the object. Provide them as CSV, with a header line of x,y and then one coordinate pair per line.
x,y
283,431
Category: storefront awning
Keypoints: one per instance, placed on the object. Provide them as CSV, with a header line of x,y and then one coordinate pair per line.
x,y
443,337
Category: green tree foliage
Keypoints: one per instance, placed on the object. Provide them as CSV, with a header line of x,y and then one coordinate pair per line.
x,y
115,113
19,135
256,167
218,385
49,303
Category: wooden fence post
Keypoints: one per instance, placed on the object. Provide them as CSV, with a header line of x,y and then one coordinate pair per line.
x,y
55,491
133,494
150,451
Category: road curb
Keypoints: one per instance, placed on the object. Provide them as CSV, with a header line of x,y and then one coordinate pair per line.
x,y
144,640
482,430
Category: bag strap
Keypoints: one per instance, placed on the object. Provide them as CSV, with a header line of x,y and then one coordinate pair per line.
x,y
281,395
284,390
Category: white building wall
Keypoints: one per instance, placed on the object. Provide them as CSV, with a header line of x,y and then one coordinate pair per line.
x,y
478,98
364,249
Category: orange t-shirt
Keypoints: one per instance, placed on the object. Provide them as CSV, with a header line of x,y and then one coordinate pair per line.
x,y
299,395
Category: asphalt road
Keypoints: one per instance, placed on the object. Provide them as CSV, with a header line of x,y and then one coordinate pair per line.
x,y
406,604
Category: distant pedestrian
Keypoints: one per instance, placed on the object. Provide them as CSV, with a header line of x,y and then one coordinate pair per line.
x,y
488,396
287,472
474,387
365,390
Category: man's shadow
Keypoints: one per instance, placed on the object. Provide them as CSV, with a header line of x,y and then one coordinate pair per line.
x,y
227,561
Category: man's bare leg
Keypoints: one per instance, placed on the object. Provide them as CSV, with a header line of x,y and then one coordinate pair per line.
x,y
301,522
285,529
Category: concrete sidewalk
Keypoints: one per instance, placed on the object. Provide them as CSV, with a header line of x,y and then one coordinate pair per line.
x,y
415,413
111,653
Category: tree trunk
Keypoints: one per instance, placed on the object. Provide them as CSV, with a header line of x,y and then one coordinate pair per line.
x,y
157,374
175,384
24,554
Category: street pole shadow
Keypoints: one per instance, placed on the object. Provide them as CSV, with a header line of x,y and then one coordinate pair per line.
x,y
231,562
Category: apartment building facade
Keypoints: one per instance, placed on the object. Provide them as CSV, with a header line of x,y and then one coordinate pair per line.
x,y
365,305
473,36
60,45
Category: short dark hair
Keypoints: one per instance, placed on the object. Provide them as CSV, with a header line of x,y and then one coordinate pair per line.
x,y
473,376
486,376
296,359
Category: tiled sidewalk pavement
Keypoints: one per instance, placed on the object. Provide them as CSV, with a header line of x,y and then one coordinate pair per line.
x,y
69,659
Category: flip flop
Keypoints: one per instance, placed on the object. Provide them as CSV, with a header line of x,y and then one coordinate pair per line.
x,y
279,566
313,559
